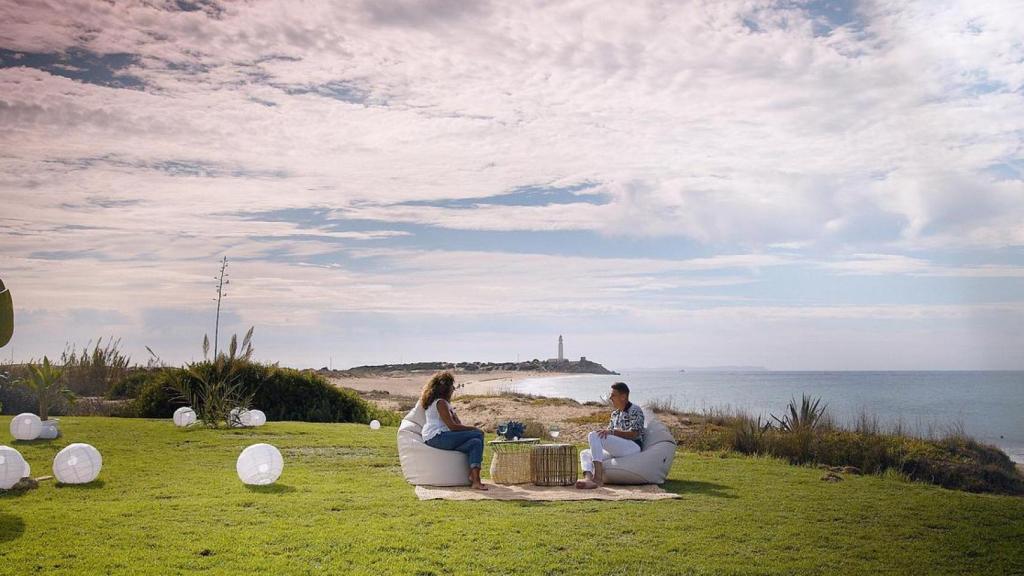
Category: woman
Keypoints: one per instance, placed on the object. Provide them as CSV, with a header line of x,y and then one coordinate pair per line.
x,y
444,430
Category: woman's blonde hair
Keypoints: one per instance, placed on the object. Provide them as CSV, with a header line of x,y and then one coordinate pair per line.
x,y
440,386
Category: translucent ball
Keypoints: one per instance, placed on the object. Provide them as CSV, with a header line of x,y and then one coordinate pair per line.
x,y
235,417
12,467
26,426
259,464
253,418
184,416
77,464
374,425
28,470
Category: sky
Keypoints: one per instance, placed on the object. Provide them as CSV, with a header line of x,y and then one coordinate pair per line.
x,y
799,185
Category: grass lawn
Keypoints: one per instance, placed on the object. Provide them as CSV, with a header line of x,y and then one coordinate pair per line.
x,y
168,501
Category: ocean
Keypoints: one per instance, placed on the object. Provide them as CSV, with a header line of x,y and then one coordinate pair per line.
x,y
988,405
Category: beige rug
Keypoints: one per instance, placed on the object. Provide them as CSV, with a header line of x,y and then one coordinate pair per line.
x,y
543,493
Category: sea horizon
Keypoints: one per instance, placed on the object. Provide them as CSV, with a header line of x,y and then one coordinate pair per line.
x,y
987,405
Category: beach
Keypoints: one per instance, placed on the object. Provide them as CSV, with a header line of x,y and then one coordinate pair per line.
x,y
410,383
491,398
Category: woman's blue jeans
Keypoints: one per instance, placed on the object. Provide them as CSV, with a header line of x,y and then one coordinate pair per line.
x,y
469,442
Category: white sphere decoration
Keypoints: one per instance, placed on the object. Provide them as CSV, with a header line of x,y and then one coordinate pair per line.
x,y
374,425
28,470
259,464
184,416
26,426
253,418
237,417
77,464
12,467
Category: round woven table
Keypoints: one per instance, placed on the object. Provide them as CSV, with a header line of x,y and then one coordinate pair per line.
x,y
510,463
553,465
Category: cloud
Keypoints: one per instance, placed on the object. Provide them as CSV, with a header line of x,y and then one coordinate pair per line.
x,y
755,142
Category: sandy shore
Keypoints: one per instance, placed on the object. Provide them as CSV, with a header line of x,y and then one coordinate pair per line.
x,y
488,399
409,384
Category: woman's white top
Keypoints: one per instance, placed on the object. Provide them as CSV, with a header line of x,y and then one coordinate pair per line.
x,y
434,424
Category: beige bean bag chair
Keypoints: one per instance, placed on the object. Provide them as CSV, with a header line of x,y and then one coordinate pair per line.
x,y
651,464
423,465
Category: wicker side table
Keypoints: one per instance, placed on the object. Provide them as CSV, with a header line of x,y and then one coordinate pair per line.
x,y
554,465
510,463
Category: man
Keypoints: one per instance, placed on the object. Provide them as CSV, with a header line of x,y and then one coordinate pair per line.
x,y
624,436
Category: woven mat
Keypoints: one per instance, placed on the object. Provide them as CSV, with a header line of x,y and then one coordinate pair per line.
x,y
543,493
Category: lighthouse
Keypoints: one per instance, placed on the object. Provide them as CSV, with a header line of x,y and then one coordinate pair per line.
x,y
561,354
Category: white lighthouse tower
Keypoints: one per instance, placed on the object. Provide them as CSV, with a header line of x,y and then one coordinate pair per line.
x,y
561,354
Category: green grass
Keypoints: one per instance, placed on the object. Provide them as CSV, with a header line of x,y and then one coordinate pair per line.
x,y
168,502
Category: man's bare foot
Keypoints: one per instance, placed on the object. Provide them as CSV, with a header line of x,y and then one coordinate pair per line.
x,y
588,484
479,486
582,482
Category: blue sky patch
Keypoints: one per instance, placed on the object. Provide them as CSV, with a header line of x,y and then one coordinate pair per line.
x,y
77,64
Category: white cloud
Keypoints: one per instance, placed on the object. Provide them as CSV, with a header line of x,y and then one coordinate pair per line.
x,y
737,127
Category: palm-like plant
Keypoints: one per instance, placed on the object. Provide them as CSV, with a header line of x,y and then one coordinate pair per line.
x,y
805,418
46,381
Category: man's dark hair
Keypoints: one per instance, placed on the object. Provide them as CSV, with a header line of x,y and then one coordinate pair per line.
x,y
621,387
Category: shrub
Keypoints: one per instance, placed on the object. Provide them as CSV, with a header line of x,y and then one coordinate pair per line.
x,y
94,372
158,396
955,461
131,385
282,394
747,435
215,389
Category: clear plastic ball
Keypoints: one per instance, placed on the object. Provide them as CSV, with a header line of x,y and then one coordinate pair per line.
x,y
77,464
184,416
26,426
259,465
12,467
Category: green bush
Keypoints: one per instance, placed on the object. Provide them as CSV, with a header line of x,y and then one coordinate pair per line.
x,y
281,393
158,396
131,385
955,462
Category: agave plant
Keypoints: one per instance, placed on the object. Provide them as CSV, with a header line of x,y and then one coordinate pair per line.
x,y
806,417
45,380
215,388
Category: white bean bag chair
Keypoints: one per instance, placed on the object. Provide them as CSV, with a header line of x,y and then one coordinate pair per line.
x,y
423,465
651,464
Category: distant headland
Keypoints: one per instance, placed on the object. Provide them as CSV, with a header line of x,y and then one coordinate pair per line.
x,y
581,366
559,364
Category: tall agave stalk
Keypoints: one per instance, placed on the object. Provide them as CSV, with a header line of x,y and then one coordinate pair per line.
x,y
222,281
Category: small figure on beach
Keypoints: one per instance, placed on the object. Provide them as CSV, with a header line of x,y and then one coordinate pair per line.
x,y
444,430
622,437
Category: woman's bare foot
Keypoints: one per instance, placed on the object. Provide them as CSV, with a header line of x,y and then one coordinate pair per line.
x,y
586,481
479,486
